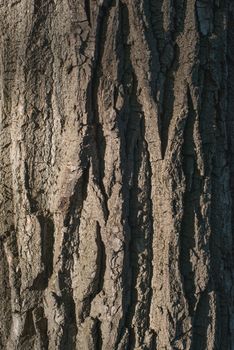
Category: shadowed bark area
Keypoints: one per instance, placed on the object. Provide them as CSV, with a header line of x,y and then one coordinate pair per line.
x,y
116,175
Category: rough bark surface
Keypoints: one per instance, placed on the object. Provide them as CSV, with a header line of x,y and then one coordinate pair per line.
x,y
116,174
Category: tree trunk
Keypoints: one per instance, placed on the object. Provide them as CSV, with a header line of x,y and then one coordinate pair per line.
x,y
117,174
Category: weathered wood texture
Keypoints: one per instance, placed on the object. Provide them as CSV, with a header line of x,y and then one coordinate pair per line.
x,y
116,174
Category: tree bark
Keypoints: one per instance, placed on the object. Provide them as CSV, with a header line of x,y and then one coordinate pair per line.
x,y
117,168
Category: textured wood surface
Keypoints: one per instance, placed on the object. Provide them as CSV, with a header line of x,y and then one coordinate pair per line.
x,y
116,174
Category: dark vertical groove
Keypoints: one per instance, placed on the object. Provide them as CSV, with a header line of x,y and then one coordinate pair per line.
x,y
41,325
221,254
99,139
98,335
47,250
27,337
143,12
98,280
191,204
131,339
230,136
101,261
149,236
125,77
134,152
169,53
47,231
223,234
213,119
201,323
167,105
88,10
68,338
69,326
71,221
179,16
133,255
76,200
156,20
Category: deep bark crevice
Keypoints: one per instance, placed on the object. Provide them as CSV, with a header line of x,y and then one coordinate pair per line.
x,y
71,221
47,249
41,326
191,204
94,118
27,337
201,323
88,11
101,261
98,335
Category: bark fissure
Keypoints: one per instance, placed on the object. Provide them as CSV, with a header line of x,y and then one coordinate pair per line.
x,y
47,248
71,221
191,205
100,34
